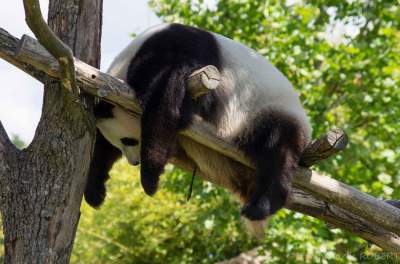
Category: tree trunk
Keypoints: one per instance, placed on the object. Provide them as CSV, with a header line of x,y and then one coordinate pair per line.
x,y
42,185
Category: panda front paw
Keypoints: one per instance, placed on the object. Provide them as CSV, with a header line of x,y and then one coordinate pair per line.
x,y
95,195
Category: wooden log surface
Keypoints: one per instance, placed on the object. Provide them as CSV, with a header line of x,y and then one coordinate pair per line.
x,y
357,205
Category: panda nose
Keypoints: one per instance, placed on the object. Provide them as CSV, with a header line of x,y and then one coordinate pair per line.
x,y
135,163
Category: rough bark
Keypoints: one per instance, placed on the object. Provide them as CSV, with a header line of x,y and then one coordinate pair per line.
x,y
42,185
377,214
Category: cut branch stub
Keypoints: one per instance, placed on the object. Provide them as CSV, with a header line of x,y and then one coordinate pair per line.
x,y
203,80
332,142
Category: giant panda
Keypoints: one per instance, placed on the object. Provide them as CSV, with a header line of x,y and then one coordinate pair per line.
x,y
254,108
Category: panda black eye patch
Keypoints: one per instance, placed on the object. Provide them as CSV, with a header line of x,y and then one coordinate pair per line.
x,y
129,141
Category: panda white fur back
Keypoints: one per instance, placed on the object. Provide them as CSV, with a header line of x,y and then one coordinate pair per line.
x,y
252,81
255,107
254,85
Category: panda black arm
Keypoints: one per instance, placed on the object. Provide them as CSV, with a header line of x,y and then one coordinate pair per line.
x,y
104,156
168,112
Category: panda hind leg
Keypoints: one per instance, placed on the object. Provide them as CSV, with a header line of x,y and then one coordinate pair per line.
x,y
274,144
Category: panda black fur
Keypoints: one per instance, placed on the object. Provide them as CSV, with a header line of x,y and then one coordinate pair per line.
x,y
255,107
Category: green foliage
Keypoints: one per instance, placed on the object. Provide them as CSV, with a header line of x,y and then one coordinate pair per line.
x,y
134,228
349,81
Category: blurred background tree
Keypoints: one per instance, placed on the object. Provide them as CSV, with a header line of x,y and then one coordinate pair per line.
x,y
344,59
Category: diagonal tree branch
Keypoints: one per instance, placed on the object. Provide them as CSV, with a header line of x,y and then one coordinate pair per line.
x,y
328,199
337,217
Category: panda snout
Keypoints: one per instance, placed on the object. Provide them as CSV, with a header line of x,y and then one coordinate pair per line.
x,y
132,160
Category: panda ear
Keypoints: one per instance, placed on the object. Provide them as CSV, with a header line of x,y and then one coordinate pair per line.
x,y
161,121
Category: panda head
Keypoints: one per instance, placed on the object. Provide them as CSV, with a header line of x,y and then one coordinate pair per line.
x,y
121,129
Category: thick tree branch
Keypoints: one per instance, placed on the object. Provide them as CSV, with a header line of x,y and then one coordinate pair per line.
x,y
52,43
337,217
349,198
340,205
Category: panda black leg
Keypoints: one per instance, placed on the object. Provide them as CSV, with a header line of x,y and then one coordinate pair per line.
x,y
271,189
167,112
274,145
104,157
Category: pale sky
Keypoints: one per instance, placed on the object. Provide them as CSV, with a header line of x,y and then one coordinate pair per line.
x,y
21,95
